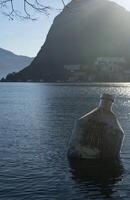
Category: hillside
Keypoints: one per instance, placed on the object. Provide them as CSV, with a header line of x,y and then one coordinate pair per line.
x,y
9,62
83,32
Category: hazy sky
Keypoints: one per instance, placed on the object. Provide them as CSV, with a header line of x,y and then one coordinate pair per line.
x,y
27,37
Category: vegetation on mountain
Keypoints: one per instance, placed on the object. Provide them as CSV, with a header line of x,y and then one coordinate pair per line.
x,y
83,32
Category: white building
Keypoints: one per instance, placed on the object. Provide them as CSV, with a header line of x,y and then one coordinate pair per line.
x,y
110,61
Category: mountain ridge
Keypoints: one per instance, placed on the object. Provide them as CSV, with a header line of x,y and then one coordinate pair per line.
x,y
11,62
82,32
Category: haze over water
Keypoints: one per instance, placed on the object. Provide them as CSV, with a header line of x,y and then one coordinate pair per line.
x,y
36,121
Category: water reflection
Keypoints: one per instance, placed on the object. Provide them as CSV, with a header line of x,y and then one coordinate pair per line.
x,y
96,176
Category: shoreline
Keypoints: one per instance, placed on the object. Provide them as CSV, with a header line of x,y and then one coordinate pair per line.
x,y
106,84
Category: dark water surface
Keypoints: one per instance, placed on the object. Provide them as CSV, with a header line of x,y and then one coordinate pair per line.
x,y
35,126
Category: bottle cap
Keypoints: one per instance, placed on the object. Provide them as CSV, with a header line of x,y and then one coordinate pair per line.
x,y
107,97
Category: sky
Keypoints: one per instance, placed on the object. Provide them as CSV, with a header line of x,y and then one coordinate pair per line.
x,y
24,37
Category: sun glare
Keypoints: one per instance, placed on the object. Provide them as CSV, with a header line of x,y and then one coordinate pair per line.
x,y
124,3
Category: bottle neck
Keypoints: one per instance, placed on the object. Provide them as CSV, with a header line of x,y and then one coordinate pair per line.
x,y
105,105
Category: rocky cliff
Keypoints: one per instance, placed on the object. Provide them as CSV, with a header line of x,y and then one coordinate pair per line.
x,y
83,31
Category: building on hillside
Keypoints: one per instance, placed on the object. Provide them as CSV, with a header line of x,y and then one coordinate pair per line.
x,y
127,75
109,68
110,64
72,68
85,67
110,61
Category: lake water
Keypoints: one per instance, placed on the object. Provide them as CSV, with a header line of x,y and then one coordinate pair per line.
x,y
36,121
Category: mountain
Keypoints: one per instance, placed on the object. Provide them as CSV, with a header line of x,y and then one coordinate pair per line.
x,y
83,32
9,62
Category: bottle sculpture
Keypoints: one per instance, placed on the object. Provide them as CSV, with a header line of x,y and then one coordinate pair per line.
x,y
97,134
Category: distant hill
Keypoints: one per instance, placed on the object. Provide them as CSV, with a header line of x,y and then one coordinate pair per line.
x,y
9,62
84,31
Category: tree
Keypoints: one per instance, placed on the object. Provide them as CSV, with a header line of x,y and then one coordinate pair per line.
x,y
9,8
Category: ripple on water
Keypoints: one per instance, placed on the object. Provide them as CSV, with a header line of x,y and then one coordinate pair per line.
x,y
36,121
